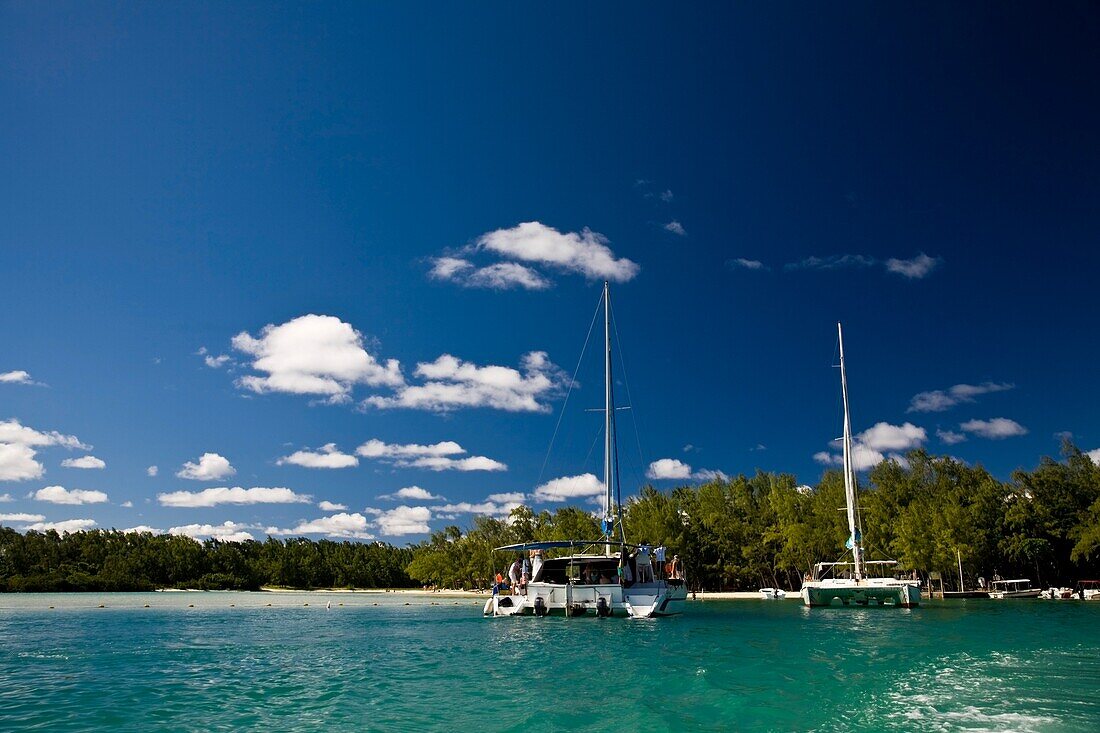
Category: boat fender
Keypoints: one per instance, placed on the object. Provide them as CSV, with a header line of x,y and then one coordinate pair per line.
x,y
540,606
602,609
488,607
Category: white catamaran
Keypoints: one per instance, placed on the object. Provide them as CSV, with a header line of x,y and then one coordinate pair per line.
x,y
848,582
601,577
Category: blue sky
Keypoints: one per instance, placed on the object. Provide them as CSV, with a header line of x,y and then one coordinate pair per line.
x,y
382,188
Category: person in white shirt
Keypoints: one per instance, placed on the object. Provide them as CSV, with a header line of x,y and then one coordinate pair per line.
x,y
515,572
645,569
536,563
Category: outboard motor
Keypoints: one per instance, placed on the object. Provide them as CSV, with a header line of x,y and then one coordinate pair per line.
x,y
540,606
602,609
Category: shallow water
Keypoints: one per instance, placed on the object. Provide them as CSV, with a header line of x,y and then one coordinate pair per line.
x,y
376,664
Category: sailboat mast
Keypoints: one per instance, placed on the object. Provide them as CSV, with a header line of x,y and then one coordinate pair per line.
x,y
849,472
608,469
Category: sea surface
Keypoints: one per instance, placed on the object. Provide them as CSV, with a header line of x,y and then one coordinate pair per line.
x,y
232,662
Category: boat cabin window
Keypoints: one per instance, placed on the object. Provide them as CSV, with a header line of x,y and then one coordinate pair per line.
x,y
587,571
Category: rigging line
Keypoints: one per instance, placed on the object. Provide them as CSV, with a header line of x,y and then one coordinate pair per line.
x,y
572,382
591,448
629,398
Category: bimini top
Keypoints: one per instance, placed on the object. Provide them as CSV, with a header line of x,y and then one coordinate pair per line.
x,y
552,544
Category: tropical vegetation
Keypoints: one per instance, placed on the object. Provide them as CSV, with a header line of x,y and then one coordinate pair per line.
x,y
736,532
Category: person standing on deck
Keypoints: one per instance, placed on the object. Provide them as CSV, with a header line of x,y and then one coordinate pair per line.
x,y
536,563
645,569
515,572
659,559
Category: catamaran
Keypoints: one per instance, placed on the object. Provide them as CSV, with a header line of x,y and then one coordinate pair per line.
x,y
849,582
602,577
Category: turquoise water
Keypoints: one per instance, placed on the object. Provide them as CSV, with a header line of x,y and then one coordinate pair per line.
x,y
740,665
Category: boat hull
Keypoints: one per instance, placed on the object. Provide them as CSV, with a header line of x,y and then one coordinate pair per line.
x,y
642,600
1001,595
878,591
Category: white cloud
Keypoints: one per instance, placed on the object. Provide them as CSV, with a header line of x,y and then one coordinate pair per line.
x,y
507,275
329,456
403,520
915,268
668,468
831,262
995,429
61,495
442,463
883,436
412,492
313,355
745,263
143,528
672,468
217,362
676,228
21,517
234,495
64,526
330,506
5,498
1094,455
17,463
11,431
950,437
665,195
586,252
375,448
452,384
863,458
227,531
151,471
569,487
510,497
939,400
435,457
498,276
449,268
488,508
17,449
16,377
876,444
84,462
210,467
127,504
338,525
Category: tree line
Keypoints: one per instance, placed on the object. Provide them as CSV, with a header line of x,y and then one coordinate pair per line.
x,y
109,560
736,533
745,532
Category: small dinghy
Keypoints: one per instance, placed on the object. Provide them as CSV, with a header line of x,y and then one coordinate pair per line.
x,y
773,593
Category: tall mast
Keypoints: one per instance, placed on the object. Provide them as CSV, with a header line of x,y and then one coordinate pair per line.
x,y
608,469
849,473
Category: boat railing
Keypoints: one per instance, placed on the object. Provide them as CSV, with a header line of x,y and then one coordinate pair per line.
x,y
846,569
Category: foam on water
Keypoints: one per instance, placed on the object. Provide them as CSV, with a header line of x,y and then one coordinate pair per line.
x,y
228,661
